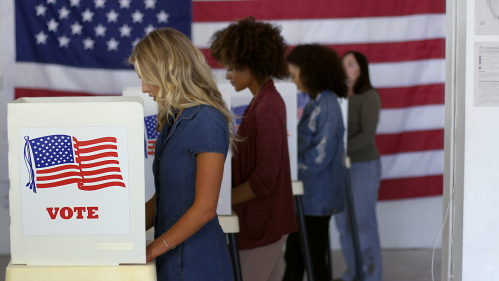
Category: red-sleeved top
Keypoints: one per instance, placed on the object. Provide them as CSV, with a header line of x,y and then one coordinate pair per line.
x,y
263,160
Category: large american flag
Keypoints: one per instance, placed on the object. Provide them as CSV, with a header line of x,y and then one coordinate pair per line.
x,y
58,160
403,40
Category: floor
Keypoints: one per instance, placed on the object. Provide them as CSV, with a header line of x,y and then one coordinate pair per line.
x,y
407,265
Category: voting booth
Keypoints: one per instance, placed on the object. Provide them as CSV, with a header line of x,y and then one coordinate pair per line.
x,y
77,181
150,135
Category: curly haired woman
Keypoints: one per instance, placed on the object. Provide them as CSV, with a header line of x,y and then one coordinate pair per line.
x,y
253,54
317,71
195,136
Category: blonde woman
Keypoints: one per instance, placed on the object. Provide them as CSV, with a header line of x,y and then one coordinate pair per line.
x,y
195,136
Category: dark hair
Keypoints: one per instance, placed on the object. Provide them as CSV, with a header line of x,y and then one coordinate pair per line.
x,y
256,45
320,69
363,83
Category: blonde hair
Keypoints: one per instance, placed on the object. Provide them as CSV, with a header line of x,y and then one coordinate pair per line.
x,y
167,59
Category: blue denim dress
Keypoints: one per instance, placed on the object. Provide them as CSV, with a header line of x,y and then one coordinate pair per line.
x,y
321,155
204,255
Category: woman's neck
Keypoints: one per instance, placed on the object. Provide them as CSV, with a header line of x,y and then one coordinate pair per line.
x,y
255,87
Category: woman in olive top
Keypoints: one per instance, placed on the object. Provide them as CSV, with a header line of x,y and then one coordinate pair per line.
x,y
363,114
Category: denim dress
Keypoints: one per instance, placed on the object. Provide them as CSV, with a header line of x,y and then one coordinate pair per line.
x,y
321,155
204,255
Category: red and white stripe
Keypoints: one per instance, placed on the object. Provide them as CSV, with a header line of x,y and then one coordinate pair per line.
x,y
151,147
404,41
58,176
98,160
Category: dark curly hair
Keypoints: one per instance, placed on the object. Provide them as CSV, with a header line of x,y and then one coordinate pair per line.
x,y
363,83
320,69
256,45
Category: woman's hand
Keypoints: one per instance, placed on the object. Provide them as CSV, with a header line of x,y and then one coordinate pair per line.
x,y
149,256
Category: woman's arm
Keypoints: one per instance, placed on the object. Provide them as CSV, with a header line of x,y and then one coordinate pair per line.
x,y
150,212
242,193
209,173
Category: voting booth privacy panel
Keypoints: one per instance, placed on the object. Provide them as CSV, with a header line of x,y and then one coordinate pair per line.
x,y
150,136
77,186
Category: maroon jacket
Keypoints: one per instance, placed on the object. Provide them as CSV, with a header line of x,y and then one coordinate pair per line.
x,y
263,160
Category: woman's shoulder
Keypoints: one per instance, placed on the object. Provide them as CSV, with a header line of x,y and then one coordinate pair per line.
x,y
208,110
370,93
208,116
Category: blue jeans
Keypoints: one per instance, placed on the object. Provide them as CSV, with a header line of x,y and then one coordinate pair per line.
x,y
365,177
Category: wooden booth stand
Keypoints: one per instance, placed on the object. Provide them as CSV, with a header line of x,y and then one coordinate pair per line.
x,y
76,207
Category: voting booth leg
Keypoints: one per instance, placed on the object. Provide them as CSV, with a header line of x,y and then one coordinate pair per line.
x,y
234,256
354,228
303,237
329,257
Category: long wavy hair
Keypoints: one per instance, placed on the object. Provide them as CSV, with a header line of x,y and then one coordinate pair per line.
x,y
363,83
167,59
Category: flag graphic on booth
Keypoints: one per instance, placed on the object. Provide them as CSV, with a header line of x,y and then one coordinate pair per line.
x,y
58,160
151,134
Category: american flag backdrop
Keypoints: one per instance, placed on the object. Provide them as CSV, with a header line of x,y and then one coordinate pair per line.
x,y
77,47
59,160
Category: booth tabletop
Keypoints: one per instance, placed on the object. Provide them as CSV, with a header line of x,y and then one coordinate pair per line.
x,y
132,272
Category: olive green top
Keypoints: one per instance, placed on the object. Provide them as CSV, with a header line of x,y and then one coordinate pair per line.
x,y
363,116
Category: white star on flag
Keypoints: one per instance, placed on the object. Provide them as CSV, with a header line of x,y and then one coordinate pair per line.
x,y
76,28
87,15
75,3
150,4
112,16
99,3
88,43
51,2
52,25
40,10
63,41
125,4
100,30
112,45
41,38
125,30
135,42
149,28
137,16
162,16
63,13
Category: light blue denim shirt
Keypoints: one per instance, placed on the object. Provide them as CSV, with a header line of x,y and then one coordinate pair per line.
x,y
320,156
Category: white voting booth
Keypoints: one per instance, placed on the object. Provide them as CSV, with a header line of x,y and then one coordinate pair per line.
x,y
150,135
76,197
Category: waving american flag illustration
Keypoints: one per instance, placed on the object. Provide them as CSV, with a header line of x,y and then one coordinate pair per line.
x,y
58,160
